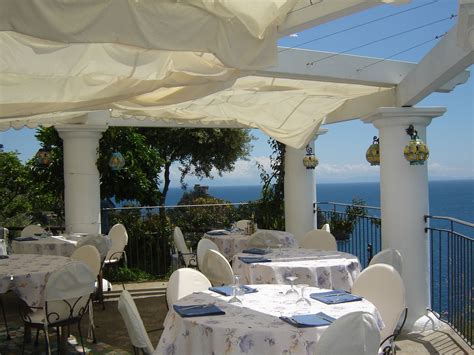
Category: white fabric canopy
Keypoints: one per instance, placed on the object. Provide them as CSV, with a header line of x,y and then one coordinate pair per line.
x,y
290,111
181,62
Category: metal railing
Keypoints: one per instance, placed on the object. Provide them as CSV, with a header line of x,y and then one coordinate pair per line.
x,y
150,231
452,273
363,239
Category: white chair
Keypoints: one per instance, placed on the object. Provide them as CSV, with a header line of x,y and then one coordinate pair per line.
x,y
119,237
382,285
67,298
264,239
217,269
185,255
135,328
242,224
326,227
355,333
183,282
3,241
103,243
203,246
319,239
90,256
390,257
31,230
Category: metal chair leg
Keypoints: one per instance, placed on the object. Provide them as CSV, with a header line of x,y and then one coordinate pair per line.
x,y
37,337
5,319
80,336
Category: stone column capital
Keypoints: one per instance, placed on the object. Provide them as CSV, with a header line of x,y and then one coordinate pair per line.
x,y
80,131
403,116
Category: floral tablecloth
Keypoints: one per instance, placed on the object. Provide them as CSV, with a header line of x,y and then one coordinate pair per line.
x,y
320,268
26,275
55,245
253,327
233,243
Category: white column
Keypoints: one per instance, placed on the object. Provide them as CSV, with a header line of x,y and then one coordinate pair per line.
x,y
81,177
404,203
300,192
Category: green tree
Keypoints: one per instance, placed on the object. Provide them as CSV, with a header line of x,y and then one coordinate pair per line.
x,y
270,209
199,151
15,206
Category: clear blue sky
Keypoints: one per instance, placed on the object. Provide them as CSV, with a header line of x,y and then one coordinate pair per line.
x,y
342,150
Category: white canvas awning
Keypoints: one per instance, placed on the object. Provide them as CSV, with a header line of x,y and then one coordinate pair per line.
x,y
186,62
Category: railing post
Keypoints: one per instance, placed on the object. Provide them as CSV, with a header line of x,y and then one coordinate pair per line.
x,y
370,252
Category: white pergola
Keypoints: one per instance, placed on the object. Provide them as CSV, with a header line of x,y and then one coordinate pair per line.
x,y
289,101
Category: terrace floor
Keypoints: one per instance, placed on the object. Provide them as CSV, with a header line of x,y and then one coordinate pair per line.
x,y
150,299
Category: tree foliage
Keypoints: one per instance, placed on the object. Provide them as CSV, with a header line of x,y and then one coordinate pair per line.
x,y
15,205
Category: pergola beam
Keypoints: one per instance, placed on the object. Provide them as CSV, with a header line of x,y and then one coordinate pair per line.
x,y
303,64
440,66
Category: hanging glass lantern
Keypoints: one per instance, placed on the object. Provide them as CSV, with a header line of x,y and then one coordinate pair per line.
x,y
416,151
43,156
310,161
117,161
373,153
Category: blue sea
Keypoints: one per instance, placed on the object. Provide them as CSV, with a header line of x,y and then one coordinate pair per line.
x,y
453,198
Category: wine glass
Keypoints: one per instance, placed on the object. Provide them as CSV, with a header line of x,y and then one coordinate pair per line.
x,y
303,300
292,291
279,249
268,242
235,290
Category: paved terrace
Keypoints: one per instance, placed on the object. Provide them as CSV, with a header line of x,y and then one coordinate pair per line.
x,y
150,299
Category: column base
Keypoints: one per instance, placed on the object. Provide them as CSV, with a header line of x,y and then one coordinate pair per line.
x,y
421,324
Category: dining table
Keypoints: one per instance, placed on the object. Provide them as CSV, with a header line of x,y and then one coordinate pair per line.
x,y
254,326
235,241
27,274
321,268
60,245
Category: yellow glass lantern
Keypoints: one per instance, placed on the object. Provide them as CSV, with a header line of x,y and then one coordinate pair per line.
x,y
373,153
416,151
43,156
310,161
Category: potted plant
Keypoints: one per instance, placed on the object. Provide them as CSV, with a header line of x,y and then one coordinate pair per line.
x,y
341,224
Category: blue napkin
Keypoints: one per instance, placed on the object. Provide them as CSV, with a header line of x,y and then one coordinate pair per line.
x,y
257,251
198,310
218,232
26,239
3,257
334,297
309,320
227,290
253,259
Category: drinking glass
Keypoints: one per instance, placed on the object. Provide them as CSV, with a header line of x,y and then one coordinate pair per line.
x,y
303,300
292,291
268,242
279,249
235,290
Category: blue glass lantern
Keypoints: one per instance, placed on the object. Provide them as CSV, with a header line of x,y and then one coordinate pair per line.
x,y
117,161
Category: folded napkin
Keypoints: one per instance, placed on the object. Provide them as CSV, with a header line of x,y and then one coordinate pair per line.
x,y
3,257
198,310
309,320
257,251
227,290
253,259
26,239
334,297
218,232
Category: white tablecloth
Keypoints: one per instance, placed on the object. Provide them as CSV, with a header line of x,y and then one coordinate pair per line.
x,y
233,243
26,275
251,328
62,245
55,245
325,269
